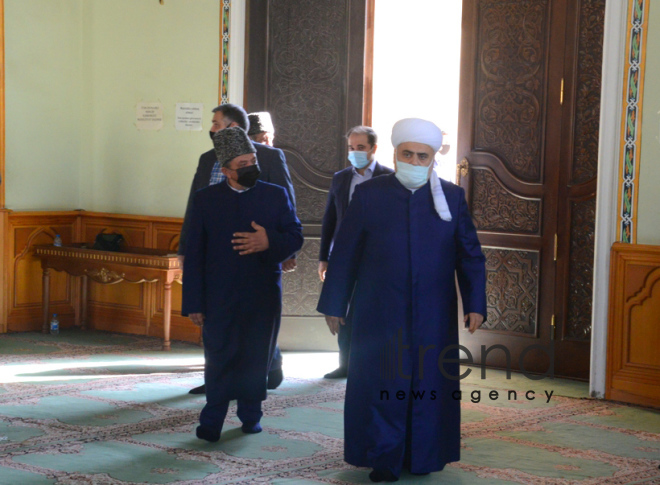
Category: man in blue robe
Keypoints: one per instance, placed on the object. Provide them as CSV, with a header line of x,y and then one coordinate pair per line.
x,y
404,240
273,169
240,232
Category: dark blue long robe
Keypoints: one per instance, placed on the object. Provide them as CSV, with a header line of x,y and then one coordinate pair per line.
x,y
240,296
398,260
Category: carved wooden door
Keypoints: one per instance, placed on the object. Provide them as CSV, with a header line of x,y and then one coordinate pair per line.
x,y
527,151
305,64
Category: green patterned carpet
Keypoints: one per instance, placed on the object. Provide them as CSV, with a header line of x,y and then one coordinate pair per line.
x,y
99,408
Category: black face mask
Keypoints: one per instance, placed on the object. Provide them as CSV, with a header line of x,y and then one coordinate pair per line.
x,y
211,133
247,176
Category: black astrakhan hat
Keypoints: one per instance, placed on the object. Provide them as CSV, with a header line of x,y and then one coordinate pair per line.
x,y
231,143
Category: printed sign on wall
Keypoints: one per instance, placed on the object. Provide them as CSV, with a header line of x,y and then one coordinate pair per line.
x,y
149,116
189,116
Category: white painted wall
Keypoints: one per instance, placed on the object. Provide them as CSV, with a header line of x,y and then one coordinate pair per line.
x,y
75,71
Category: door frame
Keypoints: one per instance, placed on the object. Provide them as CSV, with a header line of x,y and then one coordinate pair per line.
x,y
607,203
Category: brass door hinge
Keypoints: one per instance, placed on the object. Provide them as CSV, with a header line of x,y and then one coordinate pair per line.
x,y
553,327
561,94
556,245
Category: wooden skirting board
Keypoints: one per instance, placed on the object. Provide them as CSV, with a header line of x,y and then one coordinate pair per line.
x,y
633,354
123,307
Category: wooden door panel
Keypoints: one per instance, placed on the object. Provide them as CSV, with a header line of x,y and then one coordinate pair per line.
x,y
512,279
530,98
510,85
577,322
577,185
305,65
508,67
499,208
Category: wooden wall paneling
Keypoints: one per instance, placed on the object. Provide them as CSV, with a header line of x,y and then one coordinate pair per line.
x,y
79,291
122,307
25,274
135,232
633,361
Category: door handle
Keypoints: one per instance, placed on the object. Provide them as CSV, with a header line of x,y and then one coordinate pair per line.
x,y
462,170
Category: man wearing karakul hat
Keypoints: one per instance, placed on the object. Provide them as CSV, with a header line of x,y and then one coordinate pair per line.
x,y
261,128
404,238
272,163
240,232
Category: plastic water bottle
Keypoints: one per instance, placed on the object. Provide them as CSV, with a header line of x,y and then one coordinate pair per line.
x,y
54,325
57,241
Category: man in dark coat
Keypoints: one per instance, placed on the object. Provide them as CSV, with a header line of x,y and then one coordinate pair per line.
x,y
240,231
362,146
273,170
403,240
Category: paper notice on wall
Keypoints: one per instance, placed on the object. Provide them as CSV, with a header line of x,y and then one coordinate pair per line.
x,y
189,116
149,116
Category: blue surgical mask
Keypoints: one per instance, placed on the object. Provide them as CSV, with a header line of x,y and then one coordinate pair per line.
x,y
358,159
411,176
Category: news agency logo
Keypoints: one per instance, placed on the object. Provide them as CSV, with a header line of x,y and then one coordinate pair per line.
x,y
395,354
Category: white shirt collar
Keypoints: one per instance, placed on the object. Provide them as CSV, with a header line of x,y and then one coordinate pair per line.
x,y
240,191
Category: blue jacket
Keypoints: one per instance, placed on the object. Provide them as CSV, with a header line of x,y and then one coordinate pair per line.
x,y
335,208
273,170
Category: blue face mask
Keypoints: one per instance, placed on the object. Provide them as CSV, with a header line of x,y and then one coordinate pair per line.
x,y
358,159
411,176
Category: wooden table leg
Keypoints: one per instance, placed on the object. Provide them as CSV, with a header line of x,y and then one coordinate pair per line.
x,y
83,322
45,288
167,310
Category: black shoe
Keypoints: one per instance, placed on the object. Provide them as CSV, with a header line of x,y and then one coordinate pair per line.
x,y
275,378
251,428
198,390
207,433
338,373
382,476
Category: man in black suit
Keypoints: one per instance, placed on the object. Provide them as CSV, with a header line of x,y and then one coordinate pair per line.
x,y
273,169
362,145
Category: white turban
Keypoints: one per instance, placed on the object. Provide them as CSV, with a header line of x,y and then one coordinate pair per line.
x,y
417,131
421,131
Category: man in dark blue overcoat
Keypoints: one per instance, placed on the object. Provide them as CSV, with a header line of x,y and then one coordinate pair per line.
x,y
241,230
405,240
362,146
273,169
